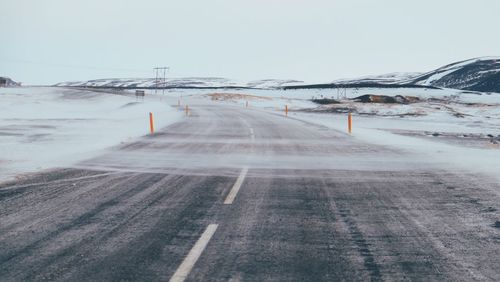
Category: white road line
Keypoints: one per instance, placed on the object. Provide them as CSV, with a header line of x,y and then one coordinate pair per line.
x,y
193,255
236,187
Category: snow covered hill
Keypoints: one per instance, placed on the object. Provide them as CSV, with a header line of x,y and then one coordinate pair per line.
x,y
187,82
390,78
479,74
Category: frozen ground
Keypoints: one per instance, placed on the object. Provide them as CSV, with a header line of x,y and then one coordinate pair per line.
x,y
43,128
449,127
48,127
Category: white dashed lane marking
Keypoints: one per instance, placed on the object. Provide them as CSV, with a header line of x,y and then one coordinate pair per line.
x,y
193,255
236,187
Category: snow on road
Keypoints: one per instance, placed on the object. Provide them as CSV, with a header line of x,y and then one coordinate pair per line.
x,y
468,119
43,128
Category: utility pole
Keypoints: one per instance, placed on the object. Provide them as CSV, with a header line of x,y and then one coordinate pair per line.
x,y
160,78
341,93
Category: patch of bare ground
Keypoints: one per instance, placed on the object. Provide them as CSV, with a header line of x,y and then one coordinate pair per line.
x,y
383,99
235,96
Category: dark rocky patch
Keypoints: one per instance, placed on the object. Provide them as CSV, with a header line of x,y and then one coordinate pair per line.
x,y
398,99
325,101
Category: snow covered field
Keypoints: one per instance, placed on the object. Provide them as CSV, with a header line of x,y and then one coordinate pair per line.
x,y
48,127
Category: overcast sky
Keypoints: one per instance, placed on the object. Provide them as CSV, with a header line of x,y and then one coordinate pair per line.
x,y
50,41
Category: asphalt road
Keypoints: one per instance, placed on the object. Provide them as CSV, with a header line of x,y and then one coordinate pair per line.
x,y
235,194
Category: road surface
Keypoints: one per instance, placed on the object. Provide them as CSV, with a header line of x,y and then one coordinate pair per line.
x,y
236,194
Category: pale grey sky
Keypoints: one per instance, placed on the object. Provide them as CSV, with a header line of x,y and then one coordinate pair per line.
x,y
50,41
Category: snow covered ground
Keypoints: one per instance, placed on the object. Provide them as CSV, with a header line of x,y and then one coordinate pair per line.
x,y
449,127
49,127
42,128
473,110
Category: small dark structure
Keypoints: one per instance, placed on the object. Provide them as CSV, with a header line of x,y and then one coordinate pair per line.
x,y
139,94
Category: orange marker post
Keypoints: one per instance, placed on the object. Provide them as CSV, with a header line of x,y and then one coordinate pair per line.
x,y
286,110
151,123
349,123
187,110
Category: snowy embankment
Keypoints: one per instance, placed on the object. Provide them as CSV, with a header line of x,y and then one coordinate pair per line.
x,y
42,128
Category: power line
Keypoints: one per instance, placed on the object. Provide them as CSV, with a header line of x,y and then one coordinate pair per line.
x,y
71,66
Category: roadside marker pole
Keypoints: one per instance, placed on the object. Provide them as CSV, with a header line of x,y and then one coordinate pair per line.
x,y
349,123
246,104
151,123
178,102
187,110
286,110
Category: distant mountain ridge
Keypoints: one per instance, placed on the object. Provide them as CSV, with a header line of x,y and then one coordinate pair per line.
x,y
187,82
389,78
478,74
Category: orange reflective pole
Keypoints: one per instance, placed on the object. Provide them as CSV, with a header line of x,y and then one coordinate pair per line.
x,y
286,110
349,123
151,123
187,110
